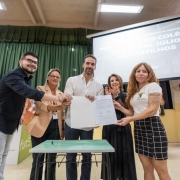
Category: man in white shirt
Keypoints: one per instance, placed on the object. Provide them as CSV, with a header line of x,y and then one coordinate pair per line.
x,y
81,85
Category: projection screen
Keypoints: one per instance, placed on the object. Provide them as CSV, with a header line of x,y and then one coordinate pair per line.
x,y
155,42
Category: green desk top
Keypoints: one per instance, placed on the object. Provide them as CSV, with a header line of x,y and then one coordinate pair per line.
x,y
72,146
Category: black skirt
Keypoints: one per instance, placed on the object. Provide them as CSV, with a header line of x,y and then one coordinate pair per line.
x,y
150,138
122,160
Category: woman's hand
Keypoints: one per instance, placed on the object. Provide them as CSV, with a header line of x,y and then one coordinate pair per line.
x,y
107,90
65,97
66,103
117,105
123,121
115,91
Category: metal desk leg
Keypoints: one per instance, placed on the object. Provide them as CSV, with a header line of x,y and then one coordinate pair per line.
x,y
48,165
37,166
108,166
104,165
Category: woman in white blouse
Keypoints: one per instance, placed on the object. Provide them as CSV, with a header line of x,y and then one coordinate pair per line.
x,y
143,102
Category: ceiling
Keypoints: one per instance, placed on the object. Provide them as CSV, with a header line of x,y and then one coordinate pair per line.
x,y
82,13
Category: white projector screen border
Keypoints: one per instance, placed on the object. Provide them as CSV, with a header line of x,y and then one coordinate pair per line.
x,y
156,42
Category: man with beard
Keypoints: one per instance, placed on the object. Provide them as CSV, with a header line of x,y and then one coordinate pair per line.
x,y
82,85
14,89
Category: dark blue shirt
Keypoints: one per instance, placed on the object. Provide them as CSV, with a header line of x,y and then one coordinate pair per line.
x,y
14,89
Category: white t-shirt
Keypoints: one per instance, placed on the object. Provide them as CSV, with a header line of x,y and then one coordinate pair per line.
x,y
139,102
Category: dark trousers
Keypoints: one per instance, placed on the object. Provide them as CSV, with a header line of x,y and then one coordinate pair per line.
x,y
71,166
51,133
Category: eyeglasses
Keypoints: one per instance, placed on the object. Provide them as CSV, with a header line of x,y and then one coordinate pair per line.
x,y
57,77
31,61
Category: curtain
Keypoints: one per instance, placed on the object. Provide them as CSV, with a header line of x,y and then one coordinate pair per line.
x,y
67,58
46,35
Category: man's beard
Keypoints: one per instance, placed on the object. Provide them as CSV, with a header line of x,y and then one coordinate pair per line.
x,y
27,71
89,72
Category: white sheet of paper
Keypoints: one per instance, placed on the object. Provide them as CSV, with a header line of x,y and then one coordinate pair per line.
x,y
85,113
82,112
104,110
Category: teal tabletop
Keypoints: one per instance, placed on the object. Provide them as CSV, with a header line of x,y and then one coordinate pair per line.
x,y
72,146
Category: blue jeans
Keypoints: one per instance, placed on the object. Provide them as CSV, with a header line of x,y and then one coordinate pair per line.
x,y
5,143
71,166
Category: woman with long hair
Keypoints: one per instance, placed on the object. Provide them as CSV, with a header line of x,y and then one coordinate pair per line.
x,y
120,137
143,102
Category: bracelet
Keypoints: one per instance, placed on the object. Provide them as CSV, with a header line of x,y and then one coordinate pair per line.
x,y
59,99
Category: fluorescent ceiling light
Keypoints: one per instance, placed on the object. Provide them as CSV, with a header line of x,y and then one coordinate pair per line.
x,y
2,6
122,9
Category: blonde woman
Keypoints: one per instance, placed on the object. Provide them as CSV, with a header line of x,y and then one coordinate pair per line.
x,y
48,122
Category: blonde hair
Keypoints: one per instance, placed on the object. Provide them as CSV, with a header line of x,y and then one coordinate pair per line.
x,y
133,86
49,73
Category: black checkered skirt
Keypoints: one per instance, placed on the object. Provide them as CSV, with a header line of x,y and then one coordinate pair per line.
x,y
150,138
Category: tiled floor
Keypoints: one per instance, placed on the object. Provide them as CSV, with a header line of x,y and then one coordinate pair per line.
x,y
22,171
